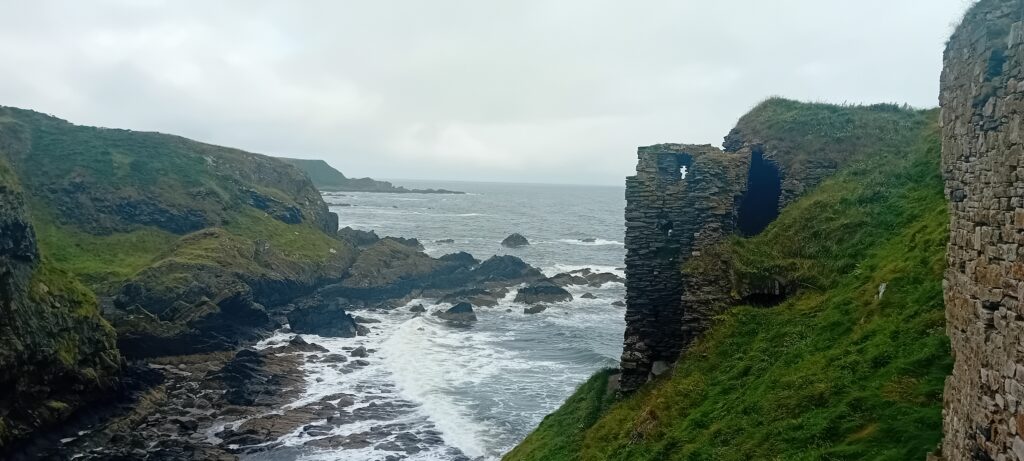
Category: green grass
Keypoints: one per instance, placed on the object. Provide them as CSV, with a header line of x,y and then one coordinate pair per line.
x,y
831,373
98,260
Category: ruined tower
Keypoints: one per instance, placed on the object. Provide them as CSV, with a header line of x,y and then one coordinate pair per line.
x,y
682,198
982,98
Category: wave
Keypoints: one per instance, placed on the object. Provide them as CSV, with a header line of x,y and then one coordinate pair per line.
x,y
596,242
423,373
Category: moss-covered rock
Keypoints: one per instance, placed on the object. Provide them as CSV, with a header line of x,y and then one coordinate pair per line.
x,y
56,352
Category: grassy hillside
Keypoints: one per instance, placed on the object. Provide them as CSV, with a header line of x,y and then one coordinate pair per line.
x,y
834,372
320,172
107,203
185,238
329,179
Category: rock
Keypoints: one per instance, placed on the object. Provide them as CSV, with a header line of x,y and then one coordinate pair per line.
x,y
588,296
588,240
362,330
359,352
601,278
417,308
334,358
325,320
361,319
299,344
409,242
459,313
619,303
460,259
542,293
475,296
535,309
515,241
444,241
358,237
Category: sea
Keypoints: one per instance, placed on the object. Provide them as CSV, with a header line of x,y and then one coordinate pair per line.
x,y
474,392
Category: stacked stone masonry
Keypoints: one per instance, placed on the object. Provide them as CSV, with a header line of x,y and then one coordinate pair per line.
x,y
682,198
982,98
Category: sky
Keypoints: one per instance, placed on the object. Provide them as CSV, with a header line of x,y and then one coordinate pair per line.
x,y
519,91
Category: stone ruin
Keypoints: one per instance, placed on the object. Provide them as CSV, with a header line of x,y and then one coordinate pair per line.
x,y
982,99
682,198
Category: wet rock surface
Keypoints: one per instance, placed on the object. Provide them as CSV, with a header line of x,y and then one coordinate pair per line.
x,y
459,313
542,293
515,241
327,319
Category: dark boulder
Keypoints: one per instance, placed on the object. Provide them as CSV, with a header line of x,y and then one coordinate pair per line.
x,y
588,296
359,352
459,313
409,242
476,296
461,258
535,309
542,293
515,241
619,304
417,308
444,241
357,237
325,320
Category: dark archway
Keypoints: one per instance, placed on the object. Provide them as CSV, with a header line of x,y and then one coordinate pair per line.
x,y
760,205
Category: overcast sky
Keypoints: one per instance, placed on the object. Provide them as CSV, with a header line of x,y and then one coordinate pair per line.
x,y
536,91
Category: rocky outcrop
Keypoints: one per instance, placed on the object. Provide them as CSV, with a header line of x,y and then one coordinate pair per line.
x,y
683,198
329,179
359,238
56,353
390,270
982,98
544,292
324,320
459,313
515,241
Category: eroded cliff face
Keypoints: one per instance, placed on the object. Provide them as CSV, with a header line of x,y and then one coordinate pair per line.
x,y
982,98
56,353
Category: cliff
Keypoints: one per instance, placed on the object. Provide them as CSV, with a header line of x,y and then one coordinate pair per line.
x,y
56,352
326,178
183,246
808,321
982,98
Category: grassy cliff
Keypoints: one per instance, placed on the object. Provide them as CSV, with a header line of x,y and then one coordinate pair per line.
x,y
170,228
841,369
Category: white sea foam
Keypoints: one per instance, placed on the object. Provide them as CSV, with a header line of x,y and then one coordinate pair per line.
x,y
562,268
596,242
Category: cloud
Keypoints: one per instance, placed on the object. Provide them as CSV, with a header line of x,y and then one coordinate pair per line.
x,y
521,91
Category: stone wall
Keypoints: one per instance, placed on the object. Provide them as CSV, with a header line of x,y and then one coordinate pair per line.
x,y
683,198
982,98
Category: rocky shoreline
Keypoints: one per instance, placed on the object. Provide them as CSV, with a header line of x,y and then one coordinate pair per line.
x,y
229,404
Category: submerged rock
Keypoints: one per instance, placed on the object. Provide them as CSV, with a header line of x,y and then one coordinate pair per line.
x,y
542,293
324,320
515,241
535,309
476,296
445,241
417,308
588,296
459,313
